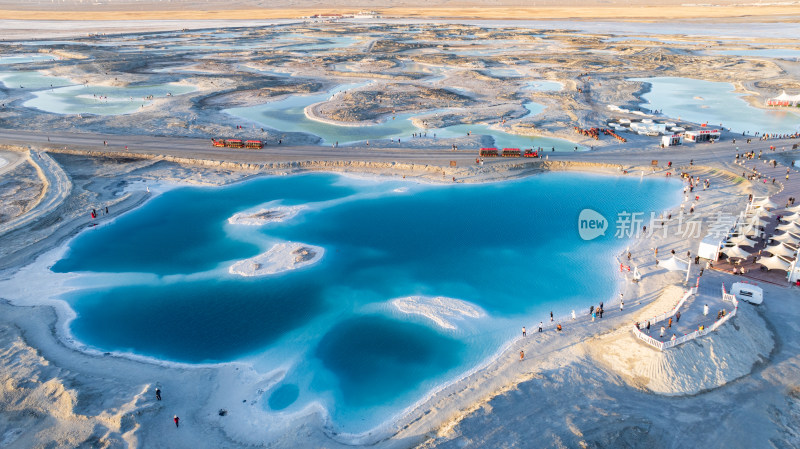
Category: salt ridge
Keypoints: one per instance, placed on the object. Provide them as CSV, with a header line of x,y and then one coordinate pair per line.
x,y
439,309
260,217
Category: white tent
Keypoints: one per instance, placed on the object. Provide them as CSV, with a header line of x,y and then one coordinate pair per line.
x,y
763,212
673,264
787,237
735,251
774,263
795,208
781,249
786,97
741,240
791,217
765,202
756,221
790,227
749,230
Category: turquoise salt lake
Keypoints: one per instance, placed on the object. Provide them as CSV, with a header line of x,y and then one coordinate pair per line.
x,y
509,249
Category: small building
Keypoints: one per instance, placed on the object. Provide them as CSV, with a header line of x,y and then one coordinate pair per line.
x,y
709,247
669,141
703,135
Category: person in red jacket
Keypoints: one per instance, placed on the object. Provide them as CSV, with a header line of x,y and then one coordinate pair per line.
x,y
176,419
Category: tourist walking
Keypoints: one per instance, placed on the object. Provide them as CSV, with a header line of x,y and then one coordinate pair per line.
x,y
705,309
677,317
669,324
573,314
176,419
521,355
541,326
551,315
594,314
662,331
621,306
158,394
524,334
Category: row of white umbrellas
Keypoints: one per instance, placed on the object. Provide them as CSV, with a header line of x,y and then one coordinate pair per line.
x,y
784,247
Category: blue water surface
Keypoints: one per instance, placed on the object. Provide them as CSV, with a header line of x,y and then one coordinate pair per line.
x,y
511,249
715,103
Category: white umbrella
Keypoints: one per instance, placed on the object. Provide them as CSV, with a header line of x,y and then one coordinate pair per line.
x,y
787,237
781,249
741,240
775,263
673,264
735,251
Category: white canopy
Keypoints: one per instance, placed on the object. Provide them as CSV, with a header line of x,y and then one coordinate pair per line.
x,y
774,263
750,230
741,240
786,97
673,264
795,208
791,217
781,249
763,212
787,237
765,202
756,221
790,227
735,251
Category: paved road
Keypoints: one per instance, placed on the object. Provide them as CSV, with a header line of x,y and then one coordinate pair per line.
x,y
192,147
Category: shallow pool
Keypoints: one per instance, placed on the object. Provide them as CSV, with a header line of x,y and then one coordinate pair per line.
x,y
25,58
778,53
288,115
102,100
717,104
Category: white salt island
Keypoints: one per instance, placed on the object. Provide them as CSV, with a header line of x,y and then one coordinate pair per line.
x,y
261,217
281,257
441,310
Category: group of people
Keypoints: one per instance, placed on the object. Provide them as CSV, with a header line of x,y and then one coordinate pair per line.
x,y
94,213
596,312
175,418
